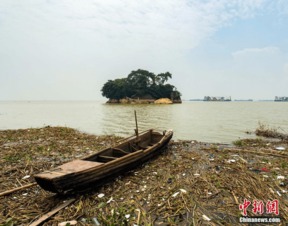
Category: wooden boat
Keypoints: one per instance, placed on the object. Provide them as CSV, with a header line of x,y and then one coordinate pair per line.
x,y
80,174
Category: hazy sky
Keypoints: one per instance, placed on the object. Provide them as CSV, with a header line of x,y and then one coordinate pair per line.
x,y
67,49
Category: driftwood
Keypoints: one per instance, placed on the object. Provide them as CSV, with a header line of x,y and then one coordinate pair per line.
x,y
258,152
17,189
52,212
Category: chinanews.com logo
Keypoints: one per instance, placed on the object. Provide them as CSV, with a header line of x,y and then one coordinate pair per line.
x,y
260,208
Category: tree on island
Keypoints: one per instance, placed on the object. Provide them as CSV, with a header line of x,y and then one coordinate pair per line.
x,y
141,84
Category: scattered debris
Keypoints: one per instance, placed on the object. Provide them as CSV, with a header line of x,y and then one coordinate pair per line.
x,y
206,218
170,188
266,131
280,148
175,194
110,200
52,212
183,190
264,169
17,189
95,221
65,223
101,195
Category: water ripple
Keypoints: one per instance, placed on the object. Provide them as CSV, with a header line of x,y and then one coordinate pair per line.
x,y
203,121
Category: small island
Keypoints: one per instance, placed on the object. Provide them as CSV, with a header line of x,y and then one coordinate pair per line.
x,y
281,99
141,87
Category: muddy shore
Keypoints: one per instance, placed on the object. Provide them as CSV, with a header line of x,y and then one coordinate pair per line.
x,y
191,183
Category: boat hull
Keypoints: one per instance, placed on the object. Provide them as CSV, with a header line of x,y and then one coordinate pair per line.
x,y
98,168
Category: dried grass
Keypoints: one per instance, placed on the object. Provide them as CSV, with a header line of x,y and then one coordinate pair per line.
x,y
269,132
189,180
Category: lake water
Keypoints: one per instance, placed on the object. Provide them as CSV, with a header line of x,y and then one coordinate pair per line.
x,y
203,121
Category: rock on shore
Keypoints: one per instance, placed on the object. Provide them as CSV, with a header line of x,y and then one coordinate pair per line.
x,y
163,101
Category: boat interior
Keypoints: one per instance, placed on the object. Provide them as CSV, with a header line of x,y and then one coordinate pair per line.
x,y
144,141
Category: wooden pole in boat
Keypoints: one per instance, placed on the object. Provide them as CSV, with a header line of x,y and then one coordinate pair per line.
x,y
136,130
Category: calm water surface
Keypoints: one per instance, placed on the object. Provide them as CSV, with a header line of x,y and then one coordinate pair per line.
x,y
204,121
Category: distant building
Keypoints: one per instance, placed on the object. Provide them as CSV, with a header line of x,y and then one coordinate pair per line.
x,y
281,98
245,100
209,98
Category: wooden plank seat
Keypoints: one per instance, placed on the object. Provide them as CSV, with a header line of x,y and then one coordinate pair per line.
x,y
105,158
134,147
120,151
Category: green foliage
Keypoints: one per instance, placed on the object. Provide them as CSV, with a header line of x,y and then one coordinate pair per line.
x,y
9,222
284,165
141,83
239,143
115,89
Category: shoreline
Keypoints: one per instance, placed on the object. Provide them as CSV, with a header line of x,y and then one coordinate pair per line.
x,y
189,180
143,101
